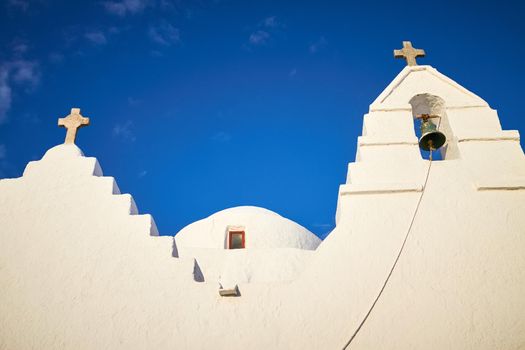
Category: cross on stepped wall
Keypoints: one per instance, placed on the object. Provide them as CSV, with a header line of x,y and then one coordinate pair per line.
x,y
72,123
409,53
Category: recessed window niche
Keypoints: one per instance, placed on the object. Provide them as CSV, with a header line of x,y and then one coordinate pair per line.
x,y
433,106
236,238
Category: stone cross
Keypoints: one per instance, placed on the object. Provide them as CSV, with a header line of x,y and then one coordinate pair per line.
x,y
409,53
72,122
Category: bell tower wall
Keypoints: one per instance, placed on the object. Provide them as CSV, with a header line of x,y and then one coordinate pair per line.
x,y
389,159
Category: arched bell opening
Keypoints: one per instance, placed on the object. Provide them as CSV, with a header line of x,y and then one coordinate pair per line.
x,y
432,127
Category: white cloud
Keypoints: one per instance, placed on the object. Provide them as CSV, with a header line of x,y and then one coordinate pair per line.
x,y
125,131
164,34
96,37
142,174
134,101
156,53
25,72
272,22
125,7
266,29
21,4
114,30
20,48
19,72
5,94
260,37
221,136
317,45
168,5
56,57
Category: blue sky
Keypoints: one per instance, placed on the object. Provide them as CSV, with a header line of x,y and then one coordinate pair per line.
x,y
197,106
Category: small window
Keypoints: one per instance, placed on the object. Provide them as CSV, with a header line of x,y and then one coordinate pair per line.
x,y
236,240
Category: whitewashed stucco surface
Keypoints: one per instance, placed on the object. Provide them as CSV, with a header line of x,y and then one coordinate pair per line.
x,y
264,229
277,249
80,269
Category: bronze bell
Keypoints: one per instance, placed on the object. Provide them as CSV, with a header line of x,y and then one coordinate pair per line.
x,y
431,138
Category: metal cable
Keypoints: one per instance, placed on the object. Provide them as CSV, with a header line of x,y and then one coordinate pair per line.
x,y
398,254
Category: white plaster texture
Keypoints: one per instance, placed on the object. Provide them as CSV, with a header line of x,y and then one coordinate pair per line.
x,y
264,229
276,248
79,268
229,268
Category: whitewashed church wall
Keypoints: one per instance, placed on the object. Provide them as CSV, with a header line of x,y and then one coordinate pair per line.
x,y
78,270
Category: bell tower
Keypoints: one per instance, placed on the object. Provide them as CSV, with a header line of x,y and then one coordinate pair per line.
x,y
462,126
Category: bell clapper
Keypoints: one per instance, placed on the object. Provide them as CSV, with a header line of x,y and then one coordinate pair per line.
x,y
430,149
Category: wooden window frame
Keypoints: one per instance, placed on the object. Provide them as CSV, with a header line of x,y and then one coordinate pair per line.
x,y
230,238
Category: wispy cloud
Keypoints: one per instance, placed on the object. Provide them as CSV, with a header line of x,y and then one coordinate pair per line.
x,y
169,5
272,22
29,118
317,45
20,4
265,29
56,57
259,37
164,34
221,136
20,48
125,131
125,7
134,101
97,37
25,72
5,94
292,73
156,53
16,72
142,173
116,30
101,36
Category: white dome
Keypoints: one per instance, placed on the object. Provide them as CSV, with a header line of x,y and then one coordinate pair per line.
x,y
263,229
63,151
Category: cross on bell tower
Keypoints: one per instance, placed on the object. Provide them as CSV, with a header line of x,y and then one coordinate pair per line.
x,y
72,123
409,53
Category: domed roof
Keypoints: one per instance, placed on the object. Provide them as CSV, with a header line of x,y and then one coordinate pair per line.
x,y
263,229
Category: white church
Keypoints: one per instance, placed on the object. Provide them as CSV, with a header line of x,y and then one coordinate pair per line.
x,y
428,251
